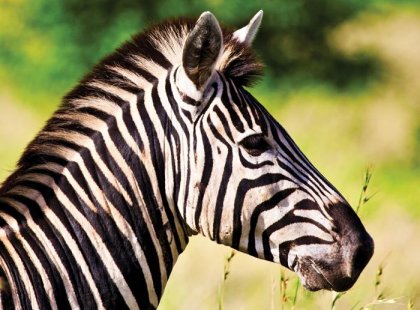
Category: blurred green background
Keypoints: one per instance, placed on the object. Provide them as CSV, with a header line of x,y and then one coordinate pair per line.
x,y
343,77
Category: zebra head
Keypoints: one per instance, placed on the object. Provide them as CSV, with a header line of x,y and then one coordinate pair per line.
x,y
249,185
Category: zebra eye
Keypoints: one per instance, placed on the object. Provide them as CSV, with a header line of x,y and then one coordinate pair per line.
x,y
255,145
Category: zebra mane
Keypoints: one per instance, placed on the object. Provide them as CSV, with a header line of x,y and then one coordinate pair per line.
x,y
162,45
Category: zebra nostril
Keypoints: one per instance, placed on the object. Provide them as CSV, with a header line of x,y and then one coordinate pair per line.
x,y
360,259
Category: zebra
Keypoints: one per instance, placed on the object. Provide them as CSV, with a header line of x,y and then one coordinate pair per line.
x,y
159,142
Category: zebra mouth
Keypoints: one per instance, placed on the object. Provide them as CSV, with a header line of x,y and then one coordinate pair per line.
x,y
311,276
315,276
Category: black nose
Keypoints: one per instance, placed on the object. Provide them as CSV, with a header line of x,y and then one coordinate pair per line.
x,y
356,245
356,254
363,251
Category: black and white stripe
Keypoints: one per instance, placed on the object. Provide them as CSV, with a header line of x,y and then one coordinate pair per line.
x,y
156,144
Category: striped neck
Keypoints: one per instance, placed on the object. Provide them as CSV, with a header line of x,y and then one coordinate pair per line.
x,y
94,218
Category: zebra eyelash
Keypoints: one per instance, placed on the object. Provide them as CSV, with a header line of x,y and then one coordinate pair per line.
x,y
255,144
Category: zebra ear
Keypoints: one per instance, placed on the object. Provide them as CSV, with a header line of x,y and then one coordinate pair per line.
x,y
201,51
247,33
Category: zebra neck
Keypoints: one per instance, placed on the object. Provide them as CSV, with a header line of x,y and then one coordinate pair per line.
x,y
89,233
89,217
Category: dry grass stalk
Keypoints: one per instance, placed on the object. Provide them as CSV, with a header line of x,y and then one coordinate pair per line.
x,y
364,197
226,271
